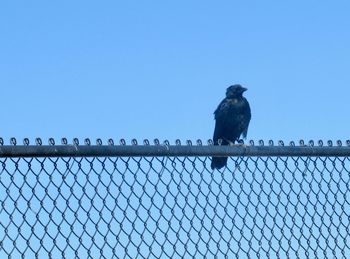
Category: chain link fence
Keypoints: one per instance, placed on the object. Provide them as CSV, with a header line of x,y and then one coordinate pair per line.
x,y
111,204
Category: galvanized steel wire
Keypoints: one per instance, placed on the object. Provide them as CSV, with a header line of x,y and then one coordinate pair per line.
x,y
103,205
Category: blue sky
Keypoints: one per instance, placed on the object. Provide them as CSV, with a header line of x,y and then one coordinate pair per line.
x,y
157,69
127,69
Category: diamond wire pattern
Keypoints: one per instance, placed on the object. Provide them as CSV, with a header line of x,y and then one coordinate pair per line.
x,y
174,207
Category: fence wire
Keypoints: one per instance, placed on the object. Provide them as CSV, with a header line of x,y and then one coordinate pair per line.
x,y
174,207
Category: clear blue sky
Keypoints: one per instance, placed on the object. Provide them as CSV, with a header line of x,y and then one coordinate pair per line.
x,y
158,69
147,69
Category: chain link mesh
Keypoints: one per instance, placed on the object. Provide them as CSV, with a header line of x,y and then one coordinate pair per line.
x,y
174,207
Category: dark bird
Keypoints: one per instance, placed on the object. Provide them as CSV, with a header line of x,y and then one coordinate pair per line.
x,y
232,118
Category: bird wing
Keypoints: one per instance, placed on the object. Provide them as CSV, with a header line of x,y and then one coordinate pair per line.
x,y
227,122
218,131
232,119
223,109
221,114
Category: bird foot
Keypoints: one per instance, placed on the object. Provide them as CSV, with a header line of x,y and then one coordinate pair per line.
x,y
231,143
237,145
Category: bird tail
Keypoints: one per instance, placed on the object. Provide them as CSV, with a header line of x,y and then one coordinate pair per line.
x,y
218,162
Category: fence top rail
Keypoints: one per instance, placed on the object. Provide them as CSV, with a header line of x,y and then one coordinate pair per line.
x,y
166,149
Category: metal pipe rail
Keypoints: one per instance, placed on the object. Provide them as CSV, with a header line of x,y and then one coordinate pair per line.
x,y
170,150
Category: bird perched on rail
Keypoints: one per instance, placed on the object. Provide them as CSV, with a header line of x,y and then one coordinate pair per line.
x,y
232,118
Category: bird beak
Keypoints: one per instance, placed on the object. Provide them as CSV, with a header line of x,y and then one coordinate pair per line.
x,y
244,89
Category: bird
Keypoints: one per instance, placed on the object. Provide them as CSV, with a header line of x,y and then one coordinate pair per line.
x,y
232,118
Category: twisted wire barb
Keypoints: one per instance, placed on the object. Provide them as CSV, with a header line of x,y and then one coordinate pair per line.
x,y
96,199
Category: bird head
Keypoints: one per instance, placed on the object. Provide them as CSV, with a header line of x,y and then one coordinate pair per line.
x,y
235,91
